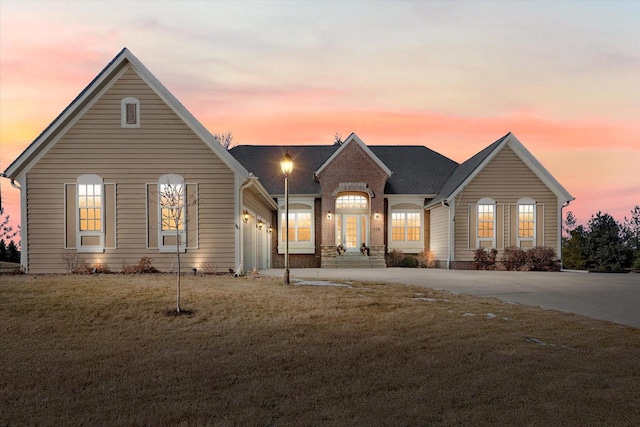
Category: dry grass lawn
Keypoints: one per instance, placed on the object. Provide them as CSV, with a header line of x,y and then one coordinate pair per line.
x,y
100,350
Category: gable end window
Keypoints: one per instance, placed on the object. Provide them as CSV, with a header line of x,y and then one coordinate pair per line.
x,y
130,112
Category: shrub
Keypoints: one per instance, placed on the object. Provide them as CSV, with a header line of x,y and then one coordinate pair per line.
x,y
514,258
100,268
541,258
409,261
143,266
75,263
426,259
485,260
394,258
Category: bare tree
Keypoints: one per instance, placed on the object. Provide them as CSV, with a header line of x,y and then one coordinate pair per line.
x,y
337,139
173,208
225,139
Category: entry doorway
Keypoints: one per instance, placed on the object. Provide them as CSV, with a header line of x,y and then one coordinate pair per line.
x,y
352,231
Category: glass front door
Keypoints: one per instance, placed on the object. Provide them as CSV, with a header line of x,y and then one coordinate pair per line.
x,y
351,231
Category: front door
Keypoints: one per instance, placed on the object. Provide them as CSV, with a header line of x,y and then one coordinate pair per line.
x,y
351,231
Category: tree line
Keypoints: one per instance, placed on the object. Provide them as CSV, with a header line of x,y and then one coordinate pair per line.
x,y
603,244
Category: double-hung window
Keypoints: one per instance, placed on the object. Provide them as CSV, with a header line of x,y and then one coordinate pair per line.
x,y
172,212
486,223
405,226
526,222
90,213
301,226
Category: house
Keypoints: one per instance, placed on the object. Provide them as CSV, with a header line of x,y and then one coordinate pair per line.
x,y
93,189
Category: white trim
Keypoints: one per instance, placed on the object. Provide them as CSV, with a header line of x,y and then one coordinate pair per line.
x,y
41,146
528,158
527,201
407,246
115,215
90,179
172,179
307,247
486,201
354,138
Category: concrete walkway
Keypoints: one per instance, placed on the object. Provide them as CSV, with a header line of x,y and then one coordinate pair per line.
x,y
612,297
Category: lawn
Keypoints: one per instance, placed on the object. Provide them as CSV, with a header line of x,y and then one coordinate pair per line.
x,y
101,350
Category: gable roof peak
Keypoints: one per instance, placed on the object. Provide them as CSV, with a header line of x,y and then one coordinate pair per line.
x,y
354,139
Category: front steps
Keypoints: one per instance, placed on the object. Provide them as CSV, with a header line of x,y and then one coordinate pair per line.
x,y
353,261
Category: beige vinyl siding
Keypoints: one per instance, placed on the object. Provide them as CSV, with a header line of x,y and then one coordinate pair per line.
x,y
439,233
130,158
254,204
506,179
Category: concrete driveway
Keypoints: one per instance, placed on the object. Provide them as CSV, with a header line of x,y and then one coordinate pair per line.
x,y
612,297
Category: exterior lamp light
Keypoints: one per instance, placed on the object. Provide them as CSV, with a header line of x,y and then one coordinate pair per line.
x,y
377,215
287,166
329,216
260,224
245,217
269,230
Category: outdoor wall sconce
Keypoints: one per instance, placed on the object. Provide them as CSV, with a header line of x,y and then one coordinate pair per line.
x,y
329,216
269,230
376,215
260,224
245,217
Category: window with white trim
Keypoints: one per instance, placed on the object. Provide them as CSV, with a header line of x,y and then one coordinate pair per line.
x,y
90,213
130,112
526,222
351,201
172,212
301,226
486,223
405,226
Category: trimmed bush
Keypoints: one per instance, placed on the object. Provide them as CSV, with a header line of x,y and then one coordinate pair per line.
x,y
514,258
394,258
409,261
541,258
485,260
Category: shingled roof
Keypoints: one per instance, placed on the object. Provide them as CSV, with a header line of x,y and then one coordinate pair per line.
x,y
415,169
463,171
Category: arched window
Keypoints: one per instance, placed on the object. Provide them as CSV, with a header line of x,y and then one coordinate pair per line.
x,y
486,223
526,222
351,201
172,212
90,213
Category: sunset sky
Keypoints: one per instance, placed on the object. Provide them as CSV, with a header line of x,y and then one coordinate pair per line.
x,y
564,77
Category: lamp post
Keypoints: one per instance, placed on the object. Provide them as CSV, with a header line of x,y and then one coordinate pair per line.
x,y
287,167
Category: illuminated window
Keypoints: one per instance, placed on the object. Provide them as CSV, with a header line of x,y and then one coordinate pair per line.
x,y
486,223
172,214
351,201
90,213
405,226
90,207
299,227
526,221
526,234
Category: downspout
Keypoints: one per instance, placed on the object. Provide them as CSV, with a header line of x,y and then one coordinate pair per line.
x,y
446,204
240,260
564,205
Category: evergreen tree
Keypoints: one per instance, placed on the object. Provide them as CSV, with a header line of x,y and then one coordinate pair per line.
x,y
13,254
604,245
3,250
